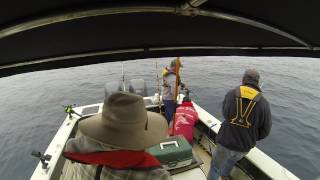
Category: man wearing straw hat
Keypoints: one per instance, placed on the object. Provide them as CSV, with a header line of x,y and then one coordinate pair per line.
x,y
111,145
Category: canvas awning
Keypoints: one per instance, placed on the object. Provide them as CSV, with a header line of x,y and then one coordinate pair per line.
x,y
37,35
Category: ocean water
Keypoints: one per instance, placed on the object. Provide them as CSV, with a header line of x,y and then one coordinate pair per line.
x,y
31,104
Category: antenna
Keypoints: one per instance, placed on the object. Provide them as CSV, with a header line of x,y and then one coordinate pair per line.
x,y
123,81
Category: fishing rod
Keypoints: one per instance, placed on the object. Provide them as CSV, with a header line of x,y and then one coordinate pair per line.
x,y
188,91
261,85
158,87
69,110
123,80
194,94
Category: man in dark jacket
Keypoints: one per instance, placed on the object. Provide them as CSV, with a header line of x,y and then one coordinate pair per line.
x,y
247,120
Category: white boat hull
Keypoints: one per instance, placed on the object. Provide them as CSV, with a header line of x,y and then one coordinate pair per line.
x,y
58,166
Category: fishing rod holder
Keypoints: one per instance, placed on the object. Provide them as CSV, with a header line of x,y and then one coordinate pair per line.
x,y
43,158
69,110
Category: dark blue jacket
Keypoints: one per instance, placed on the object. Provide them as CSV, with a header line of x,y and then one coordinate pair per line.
x,y
240,138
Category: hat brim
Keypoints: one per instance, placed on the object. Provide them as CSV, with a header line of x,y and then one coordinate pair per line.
x,y
129,140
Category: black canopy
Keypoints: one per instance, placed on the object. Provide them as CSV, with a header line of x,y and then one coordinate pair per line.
x,y
38,34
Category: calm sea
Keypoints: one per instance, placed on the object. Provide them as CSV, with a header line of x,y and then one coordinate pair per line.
x,y
31,104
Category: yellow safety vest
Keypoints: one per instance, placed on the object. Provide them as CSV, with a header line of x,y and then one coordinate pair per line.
x,y
241,117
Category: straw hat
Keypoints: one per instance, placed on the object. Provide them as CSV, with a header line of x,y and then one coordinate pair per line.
x,y
125,123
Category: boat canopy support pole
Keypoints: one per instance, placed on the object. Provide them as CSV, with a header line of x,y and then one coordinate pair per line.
x,y
190,8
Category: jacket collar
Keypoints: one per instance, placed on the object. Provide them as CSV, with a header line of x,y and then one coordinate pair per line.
x,y
253,85
119,159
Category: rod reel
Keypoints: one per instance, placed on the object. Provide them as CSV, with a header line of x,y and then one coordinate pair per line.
x,y
69,110
43,158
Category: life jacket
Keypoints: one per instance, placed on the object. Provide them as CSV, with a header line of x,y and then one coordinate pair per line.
x,y
120,159
185,118
242,113
166,72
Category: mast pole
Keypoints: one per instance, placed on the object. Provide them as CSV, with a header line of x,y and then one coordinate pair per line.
x,y
158,87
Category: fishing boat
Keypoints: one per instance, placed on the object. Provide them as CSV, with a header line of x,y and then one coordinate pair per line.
x,y
58,34
256,165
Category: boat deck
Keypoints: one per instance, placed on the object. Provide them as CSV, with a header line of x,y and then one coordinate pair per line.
x,y
255,165
236,173
198,149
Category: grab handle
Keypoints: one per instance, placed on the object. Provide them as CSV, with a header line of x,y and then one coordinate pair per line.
x,y
168,143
